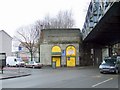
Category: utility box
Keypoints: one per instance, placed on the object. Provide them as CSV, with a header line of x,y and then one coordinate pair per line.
x,y
2,60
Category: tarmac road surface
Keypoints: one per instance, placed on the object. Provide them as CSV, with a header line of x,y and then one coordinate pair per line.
x,y
78,77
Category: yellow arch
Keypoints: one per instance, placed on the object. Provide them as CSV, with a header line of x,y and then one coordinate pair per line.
x,y
56,49
70,51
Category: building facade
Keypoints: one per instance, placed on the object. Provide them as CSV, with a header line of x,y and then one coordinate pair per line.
x,y
5,43
60,46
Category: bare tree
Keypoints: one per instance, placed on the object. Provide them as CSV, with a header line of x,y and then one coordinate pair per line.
x,y
27,36
64,19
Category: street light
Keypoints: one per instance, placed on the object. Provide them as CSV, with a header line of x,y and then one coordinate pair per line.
x,y
2,61
39,32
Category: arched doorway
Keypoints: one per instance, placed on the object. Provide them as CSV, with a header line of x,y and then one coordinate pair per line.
x,y
56,55
71,56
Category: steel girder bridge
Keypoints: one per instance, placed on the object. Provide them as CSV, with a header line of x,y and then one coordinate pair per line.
x,y
101,28
102,24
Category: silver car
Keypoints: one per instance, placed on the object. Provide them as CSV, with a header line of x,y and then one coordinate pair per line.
x,y
108,65
33,64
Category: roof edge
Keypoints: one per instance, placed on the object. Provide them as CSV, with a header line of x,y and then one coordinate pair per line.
x,y
62,29
6,33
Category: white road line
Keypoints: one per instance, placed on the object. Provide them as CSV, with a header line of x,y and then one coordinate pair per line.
x,y
102,82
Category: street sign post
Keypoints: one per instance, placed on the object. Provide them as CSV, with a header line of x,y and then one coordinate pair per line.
x,y
63,53
2,61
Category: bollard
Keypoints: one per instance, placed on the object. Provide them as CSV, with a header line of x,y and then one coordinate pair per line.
x,y
2,69
54,65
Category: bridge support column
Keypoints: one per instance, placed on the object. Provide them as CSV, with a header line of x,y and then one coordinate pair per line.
x,y
86,57
97,56
110,50
92,54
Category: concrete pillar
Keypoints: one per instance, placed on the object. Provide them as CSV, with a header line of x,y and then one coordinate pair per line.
x,y
86,55
92,54
110,51
105,52
97,56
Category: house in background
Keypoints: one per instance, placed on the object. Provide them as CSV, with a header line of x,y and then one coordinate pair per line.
x,y
25,54
5,43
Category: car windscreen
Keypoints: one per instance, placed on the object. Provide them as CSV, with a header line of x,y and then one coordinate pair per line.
x,y
109,61
31,62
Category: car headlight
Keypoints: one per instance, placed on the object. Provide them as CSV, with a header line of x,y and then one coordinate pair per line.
x,y
100,67
112,67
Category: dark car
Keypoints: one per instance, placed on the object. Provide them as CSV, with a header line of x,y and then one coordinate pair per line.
x,y
109,65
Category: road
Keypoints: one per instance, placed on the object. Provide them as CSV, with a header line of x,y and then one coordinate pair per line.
x,y
80,77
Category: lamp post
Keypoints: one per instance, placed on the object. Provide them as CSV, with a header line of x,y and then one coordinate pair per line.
x,y
2,61
39,40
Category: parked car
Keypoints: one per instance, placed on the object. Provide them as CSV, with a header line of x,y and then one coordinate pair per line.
x,y
21,63
109,65
33,64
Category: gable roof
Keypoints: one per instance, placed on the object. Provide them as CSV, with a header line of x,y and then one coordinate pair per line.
x,y
5,33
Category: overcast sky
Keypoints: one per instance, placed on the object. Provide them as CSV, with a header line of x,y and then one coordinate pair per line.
x,y
16,13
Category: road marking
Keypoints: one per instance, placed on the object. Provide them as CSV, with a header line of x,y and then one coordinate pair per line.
x,y
98,76
102,82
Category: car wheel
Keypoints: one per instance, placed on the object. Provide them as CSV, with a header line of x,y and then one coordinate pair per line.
x,y
8,65
16,65
101,72
33,66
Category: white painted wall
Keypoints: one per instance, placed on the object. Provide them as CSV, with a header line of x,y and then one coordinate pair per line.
x,y
5,43
0,42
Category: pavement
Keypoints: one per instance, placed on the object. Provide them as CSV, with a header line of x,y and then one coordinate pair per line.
x,y
13,72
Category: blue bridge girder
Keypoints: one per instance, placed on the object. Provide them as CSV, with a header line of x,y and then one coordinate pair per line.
x,y
102,24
